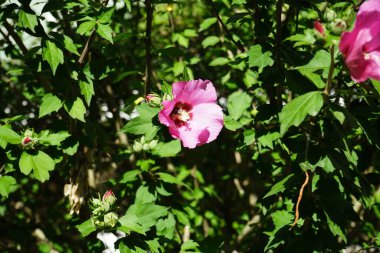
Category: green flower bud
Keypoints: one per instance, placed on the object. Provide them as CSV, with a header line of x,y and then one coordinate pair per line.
x,y
110,219
338,26
329,14
137,147
153,144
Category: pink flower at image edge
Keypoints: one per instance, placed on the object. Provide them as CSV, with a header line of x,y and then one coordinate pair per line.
x,y
361,46
192,115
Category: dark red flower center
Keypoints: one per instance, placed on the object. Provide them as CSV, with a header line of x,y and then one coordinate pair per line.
x,y
181,113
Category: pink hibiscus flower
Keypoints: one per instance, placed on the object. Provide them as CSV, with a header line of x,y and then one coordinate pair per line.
x,y
361,46
192,115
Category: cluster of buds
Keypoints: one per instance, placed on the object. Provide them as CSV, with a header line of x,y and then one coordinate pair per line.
x,y
28,141
335,26
102,210
143,145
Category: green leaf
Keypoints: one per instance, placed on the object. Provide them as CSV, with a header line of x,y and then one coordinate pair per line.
x,y
130,176
87,90
69,45
210,41
167,178
143,195
86,227
281,219
76,109
143,123
166,227
53,55
231,124
6,183
142,216
167,149
294,113
335,228
268,139
106,16
376,84
50,103
256,58
189,246
219,61
105,31
321,61
237,103
28,20
54,139
278,187
40,162
128,5
206,23
9,136
86,27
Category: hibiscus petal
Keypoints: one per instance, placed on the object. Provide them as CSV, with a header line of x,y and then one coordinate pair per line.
x,y
204,126
164,114
195,92
369,6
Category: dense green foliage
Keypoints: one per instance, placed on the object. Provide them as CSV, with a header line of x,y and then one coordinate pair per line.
x,y
74,123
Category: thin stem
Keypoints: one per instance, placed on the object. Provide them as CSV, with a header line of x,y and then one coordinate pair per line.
x,y
16,38
86,48
227,31
299,200
331,71
148,44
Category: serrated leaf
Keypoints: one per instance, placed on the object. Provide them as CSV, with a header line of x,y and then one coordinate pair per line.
x,y
256,58
106,16
40,162
86,227
53,55
69,45
86,27
9,136
231,124
294,113
6,182
166,227
321,61
143,195
143,123
278,187
75,109
189,246
145,215
28,20
54,139
87,90
130,176
281,219
105,31
167,149
335,229
237,103
50,103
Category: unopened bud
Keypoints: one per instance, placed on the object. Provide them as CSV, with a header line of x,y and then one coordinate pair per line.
x,y
28,133
153,98
109,197
338,26
153,144
110,219
137,147
319,28
26,141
